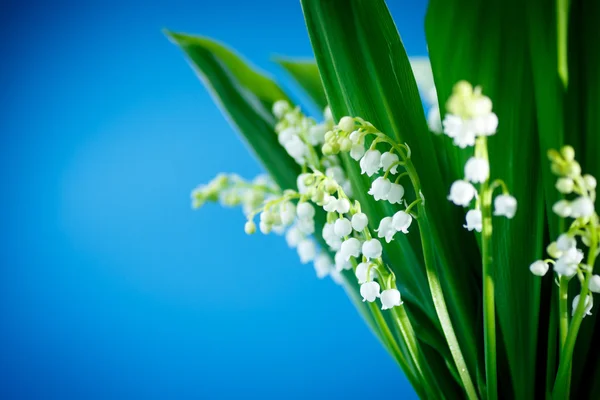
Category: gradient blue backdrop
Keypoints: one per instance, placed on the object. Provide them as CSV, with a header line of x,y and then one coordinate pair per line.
x,y
111,286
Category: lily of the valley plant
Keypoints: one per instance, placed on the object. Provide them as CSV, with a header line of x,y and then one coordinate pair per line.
x,y
466,231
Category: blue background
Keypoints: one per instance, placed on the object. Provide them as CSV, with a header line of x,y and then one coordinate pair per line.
x,y
111,286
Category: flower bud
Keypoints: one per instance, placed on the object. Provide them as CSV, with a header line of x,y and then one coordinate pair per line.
x,y
390,298
369,291
553,250
595,283
564,185
327,149
539,268
590,182
342,227
250,227
568,153
582,207
305,211
573,169
461,193
359,221
372,248
562,208
345,145
280,107
346,124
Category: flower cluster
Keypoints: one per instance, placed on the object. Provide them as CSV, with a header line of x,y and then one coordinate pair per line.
x,y
469,122
566,254
350,135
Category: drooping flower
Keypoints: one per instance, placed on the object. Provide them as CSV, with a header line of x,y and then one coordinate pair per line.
x,y
357,151
301,182
594,284
380,188
505,205
461,193
297,149
387,160
369,291
474,220
401,221
582,207
396,193
562,208
307,250
350,248
386,229
346,124
565,185
361,272
333,204
565,242
287,211
359,221
477,170
332,240
589,303
390,298
306,226
485,125
370,163
590,182
293,236
462,132
539,268
341,263
316,134
568,262
372,248
250,227
305,210
342,227
280,107
323,265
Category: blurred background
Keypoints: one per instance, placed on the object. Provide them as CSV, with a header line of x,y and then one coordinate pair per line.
x,y
111,286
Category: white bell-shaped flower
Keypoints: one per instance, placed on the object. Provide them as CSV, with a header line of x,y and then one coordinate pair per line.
x,y
293,236
369,291
539,268
485,125
341,263
565,185
342,227
306,226
505,205
357,151
307,250
387,160
350,248
589,303
461,193
477,170
357,137
572,256
346,124
316,134
301,183
563,268
396,193
590,182
265,228
474,220
297,149
386,229
401,221
287,211
370,163
390,298
582,207
280,107
372,248
359,221
361,272
462,132
565,242
286,135
562,208
332,240
594,285
380,188
323,265
305,210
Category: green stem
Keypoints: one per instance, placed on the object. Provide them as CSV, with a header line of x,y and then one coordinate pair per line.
x,y
563,310
562,20
562,384
551,350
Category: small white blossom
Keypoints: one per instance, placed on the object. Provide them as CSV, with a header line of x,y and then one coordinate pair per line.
x,y
350,248
357,151
346,124
372,248
474,220
341,263
323,265
562,208
332,240
336,173
369,291
357,137
572,256
361,272
595,283
301,183
539,268
380,188
565,242
250,227
359,221
582,207
386,229
333,204
286,135
306,226
589,303
564,185
434,120
477,170
590,182
401,221
307,250
461,193
293,236
342,227
305,210
297,149
387,160
287,211
457,129
370,163
395,194
265,228
280,107
485,125
390,298
568,262
316,134
505,205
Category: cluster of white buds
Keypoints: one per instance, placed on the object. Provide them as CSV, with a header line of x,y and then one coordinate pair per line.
x,y
349,135
299,134
469,115
469,122
566,253
232,190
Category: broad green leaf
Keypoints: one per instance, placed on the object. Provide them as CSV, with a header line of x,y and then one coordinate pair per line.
x,y
246,97
306,73
484,43
366,73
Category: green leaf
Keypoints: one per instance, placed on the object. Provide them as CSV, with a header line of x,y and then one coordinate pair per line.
x,y
366,73
485,43
306,73
246,97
